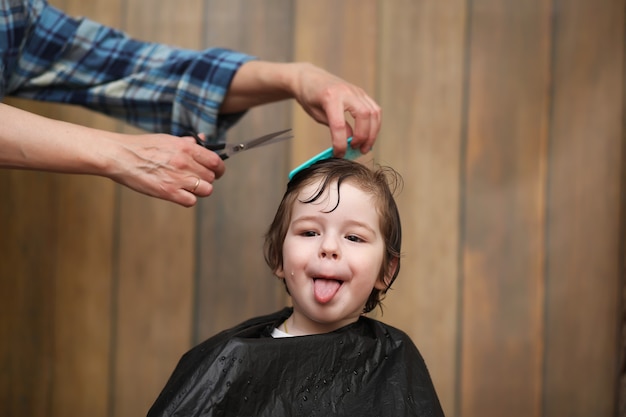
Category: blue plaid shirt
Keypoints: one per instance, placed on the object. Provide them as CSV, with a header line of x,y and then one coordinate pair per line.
x,y
47,55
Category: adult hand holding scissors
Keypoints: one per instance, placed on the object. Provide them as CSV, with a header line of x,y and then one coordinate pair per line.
x,y
157,165
181,170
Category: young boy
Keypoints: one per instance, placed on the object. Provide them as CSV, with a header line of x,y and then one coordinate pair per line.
x,y
335,242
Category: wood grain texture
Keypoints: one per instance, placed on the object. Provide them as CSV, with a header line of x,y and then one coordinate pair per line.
x,y
26,293
234,283
154,301
84,272
156,253
340,37
421,91
79,282
504,202
82,297
76,285
586,151
506,120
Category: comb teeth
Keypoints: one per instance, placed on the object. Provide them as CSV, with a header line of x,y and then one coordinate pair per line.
x,y
328,153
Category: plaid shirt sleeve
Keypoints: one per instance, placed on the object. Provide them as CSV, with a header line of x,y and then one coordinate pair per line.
x,y
47,55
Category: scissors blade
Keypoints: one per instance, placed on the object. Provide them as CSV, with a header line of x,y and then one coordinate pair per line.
x,y
274,137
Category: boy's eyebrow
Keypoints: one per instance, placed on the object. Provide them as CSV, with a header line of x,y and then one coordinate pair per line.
x,y
304,219
363,225
350,222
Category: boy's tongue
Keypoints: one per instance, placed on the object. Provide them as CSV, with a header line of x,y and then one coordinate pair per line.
x,y
325,289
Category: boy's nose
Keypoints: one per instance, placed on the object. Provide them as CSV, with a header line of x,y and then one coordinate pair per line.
x,y
329,248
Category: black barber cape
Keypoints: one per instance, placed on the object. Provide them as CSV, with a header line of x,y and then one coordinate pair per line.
x,y
364,369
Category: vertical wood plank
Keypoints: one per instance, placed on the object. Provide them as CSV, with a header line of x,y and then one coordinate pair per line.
x,y
156,247
587,145
503,230
340,37
234,283
154,298
82,326
76,286
72,350
421,92
84,271
27,261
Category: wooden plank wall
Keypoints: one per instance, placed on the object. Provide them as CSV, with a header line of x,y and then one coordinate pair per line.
x,y
506,120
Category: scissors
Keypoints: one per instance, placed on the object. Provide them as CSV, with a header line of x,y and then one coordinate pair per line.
x,y
226,150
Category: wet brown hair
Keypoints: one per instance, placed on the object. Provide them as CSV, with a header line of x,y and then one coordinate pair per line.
x,y
381,183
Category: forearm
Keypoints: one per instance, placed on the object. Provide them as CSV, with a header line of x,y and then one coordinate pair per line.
x,y
261,82
30,141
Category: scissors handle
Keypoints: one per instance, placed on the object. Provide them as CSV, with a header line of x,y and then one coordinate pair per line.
x,y
226,150
201,142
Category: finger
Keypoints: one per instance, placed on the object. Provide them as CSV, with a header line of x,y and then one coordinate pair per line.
x,y
338,130
183,197
189,139
375,124
187,194
362,128
367,125
204,189
209,166
195,184
374,128
206,159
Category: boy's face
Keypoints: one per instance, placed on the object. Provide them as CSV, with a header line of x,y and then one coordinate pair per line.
x,y
332,259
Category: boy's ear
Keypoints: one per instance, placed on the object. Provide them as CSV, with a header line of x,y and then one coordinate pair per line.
x,y
388,276
280,272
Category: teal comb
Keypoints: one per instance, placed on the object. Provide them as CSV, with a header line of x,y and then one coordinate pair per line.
x,y
328,153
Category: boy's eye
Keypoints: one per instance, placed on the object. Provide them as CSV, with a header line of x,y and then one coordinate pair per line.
x,y
354,238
